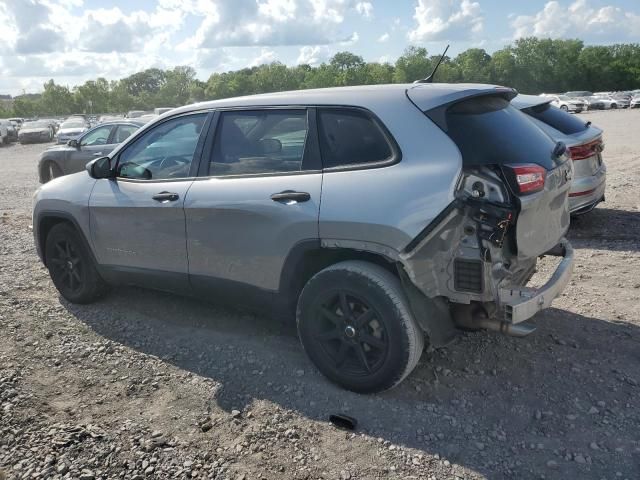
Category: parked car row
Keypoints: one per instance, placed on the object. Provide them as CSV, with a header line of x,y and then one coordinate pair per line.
x,y
377,216
582,100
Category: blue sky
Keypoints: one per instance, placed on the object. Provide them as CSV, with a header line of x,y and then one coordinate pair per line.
x,y
75,40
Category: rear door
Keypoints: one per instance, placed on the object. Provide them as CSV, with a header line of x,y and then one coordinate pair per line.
x,y
258,199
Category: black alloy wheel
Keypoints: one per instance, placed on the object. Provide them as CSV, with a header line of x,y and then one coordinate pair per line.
x,y
351,334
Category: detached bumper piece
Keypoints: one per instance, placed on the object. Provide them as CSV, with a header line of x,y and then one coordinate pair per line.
x,y
520,304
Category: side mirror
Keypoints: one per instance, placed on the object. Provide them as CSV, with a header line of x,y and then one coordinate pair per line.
x,y
100,168
73,143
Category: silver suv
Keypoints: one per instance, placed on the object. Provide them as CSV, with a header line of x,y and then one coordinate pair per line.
x,y
376,215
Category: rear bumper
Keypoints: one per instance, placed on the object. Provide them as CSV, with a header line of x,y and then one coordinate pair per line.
x,y
520,304
587,192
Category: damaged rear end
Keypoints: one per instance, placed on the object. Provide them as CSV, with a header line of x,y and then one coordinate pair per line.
x,y
510,208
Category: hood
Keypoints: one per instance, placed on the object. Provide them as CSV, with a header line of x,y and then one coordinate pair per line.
x,y
59,148
34,130
71,131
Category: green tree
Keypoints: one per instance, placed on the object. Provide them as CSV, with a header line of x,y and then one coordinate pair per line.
x,y
474,65
412,65
56,99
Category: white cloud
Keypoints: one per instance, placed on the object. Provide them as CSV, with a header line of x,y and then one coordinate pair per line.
x,y
269,22
383,38
365,9
446,19
580,18
266,56
313,55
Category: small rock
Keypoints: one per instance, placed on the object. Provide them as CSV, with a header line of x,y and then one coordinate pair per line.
x,y
579,459
236,413
344,475
593,411
552,464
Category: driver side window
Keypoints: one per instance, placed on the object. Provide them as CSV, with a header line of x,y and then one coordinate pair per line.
x,y
164,152
99,136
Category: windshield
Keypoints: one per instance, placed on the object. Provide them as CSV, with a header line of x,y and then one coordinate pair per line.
x,y
35,125
564,97
72,124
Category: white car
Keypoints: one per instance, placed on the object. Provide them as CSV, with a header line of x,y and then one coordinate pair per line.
x,y
635,102
574,105
609,103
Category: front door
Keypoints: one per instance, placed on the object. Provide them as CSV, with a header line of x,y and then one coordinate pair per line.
x,y
137,220
92,145
259,199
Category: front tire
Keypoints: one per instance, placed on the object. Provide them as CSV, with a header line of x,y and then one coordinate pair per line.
x,y
50,171
355,323
71,266
564,108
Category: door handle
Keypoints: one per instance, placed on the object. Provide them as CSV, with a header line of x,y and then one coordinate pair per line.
x,y
166,197
290,195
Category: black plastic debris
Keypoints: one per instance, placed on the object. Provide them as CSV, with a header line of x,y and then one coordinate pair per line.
x,y
344,422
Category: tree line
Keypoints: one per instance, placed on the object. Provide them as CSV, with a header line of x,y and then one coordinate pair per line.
x,y
531,65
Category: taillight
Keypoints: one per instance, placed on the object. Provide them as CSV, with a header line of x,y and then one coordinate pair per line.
x,y
528,177
580,152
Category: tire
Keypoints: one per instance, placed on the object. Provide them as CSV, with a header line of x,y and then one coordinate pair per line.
x,y
564,108
376,345
71,266
614,106
50,170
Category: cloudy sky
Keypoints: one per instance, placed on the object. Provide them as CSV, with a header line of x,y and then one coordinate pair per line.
x,y
75,40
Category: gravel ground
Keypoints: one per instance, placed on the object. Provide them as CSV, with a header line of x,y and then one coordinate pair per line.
x,y
150,385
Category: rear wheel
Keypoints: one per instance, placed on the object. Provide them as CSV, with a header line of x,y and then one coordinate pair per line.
x,y
71,266
564,108
614,106
355,324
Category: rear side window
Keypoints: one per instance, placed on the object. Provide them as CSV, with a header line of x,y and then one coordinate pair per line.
x,y
259,142
556,118
489,131
351,137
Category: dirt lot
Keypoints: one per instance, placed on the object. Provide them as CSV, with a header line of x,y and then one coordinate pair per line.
x,y
145,384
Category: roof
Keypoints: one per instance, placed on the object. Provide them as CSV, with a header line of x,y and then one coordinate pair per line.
x,y
429,95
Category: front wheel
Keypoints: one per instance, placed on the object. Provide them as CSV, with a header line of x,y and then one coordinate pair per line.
x,y
71,266
356,325
50,171
614,106
564,108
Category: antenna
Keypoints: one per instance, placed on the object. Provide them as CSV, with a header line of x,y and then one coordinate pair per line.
x,y
429,79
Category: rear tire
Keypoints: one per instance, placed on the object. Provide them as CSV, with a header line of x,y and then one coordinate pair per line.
x,y
71,266
614,106
355,323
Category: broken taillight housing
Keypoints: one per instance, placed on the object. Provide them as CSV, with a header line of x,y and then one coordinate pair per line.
x,y
527,178
581,152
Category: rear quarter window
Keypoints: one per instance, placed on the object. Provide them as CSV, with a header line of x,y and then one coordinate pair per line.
x,y
554,117
488,130
351,137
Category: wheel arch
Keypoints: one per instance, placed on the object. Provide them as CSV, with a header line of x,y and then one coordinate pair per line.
x,y
46,221
308,257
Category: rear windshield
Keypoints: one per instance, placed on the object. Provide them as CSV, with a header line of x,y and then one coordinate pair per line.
x,y
488,130
556,118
